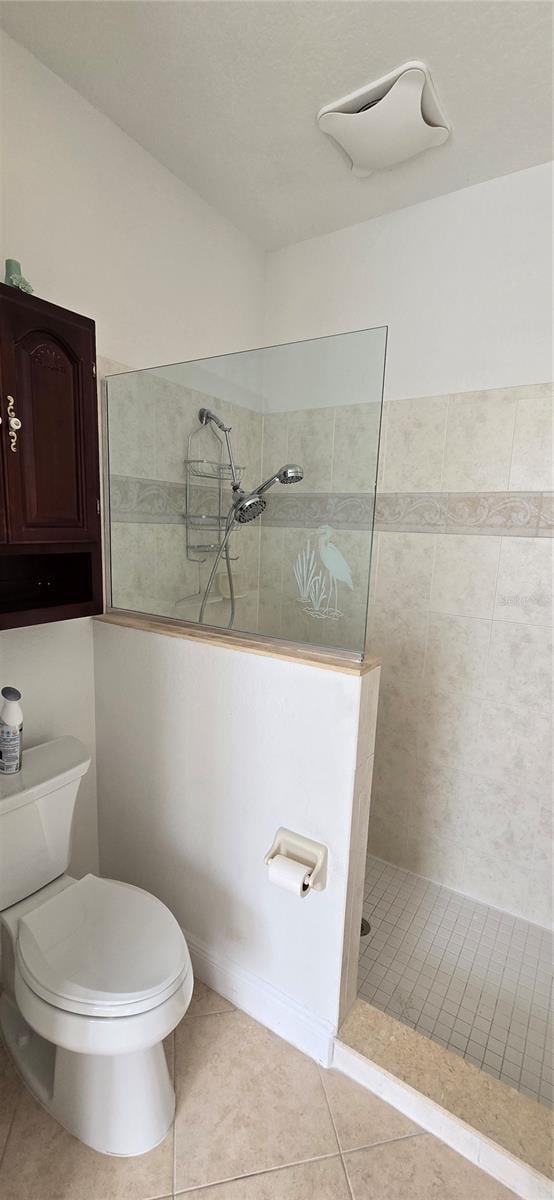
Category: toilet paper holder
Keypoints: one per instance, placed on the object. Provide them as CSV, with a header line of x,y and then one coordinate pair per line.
x,y
303,850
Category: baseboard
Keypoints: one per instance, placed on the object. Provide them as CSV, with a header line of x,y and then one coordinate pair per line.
x,y
263,1002
476,1147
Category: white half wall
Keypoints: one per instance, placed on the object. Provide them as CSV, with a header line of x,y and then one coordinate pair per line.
x,y
203,752
464,283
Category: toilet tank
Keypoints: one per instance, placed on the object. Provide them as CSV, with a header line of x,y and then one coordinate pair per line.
x,y
36,815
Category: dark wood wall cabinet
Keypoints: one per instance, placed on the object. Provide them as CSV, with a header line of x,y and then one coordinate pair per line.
x,y
50,540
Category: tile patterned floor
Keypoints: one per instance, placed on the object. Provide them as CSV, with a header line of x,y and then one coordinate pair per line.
x,y
470,977
256,1120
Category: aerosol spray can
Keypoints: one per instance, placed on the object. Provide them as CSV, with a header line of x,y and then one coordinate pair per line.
x,y
11,731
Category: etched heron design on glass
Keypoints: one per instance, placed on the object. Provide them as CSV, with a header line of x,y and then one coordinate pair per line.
x,y
316,587
336,567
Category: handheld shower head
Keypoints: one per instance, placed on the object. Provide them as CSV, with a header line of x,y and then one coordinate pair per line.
x,y
290,473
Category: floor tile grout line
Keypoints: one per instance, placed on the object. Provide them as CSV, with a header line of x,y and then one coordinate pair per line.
x,y
333,1122
299,1162
10,1127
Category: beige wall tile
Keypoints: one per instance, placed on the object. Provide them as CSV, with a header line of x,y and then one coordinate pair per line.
x,y
524,589
133,561
131,426
532,455
479,436
175,417
456,652
274,442
176,575
464,575
355,446
310,444
519,668
438,858
513,742
414,445
439,807
502,821
484,879
405,569
448,727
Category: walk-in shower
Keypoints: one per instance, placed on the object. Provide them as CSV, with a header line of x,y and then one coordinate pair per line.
x,y
245,507
197,538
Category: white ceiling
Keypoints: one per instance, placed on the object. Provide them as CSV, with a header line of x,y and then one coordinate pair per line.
x,y
225,93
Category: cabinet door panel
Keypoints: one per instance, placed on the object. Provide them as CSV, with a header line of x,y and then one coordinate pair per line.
x,y
51,459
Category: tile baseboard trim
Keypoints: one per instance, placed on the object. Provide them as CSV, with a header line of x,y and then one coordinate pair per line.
x,y
461,1137
265,1003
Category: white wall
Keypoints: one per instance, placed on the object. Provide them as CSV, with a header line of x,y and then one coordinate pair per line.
x,y
463,282
100,227
203,753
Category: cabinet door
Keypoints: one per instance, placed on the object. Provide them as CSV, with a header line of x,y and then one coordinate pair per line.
x,y
49,421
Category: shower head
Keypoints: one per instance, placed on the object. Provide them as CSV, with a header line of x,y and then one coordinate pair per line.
x,y
290,473
248,507
206,414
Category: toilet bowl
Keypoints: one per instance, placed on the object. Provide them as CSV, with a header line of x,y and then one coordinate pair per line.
x,y
96,973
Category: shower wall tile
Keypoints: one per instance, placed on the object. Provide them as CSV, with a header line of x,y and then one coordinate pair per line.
x,y
133,563
310,443
456,653
532,455
131,424
513,743
479,437
524,590
519,667
414,446
274,442
355,446
176,576
448,727
405,569
463,773
464,575
174,418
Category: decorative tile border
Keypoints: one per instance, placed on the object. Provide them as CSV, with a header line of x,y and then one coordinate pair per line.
x,y
407,512
511,514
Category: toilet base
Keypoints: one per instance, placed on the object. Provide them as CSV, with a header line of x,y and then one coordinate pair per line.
x,y
120,1104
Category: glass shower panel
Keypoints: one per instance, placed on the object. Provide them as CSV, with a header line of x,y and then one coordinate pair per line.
x,y
206,526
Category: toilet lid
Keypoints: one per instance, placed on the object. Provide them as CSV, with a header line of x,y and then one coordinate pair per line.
x,y
102,947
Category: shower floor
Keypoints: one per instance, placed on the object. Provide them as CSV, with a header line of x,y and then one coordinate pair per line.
x,y
470,977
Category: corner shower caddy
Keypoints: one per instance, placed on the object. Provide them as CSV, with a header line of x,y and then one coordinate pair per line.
x,y
218,472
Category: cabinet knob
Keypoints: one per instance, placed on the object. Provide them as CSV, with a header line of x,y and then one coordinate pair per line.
x,y
14,424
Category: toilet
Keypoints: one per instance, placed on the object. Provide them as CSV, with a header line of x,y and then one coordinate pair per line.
x,y
95,973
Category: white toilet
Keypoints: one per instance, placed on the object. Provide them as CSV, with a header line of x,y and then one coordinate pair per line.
x,y
95,974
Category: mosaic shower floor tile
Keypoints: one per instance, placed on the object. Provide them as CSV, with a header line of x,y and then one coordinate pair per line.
x,y
470,977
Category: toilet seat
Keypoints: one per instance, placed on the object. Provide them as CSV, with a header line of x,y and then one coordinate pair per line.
x,y
102,948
